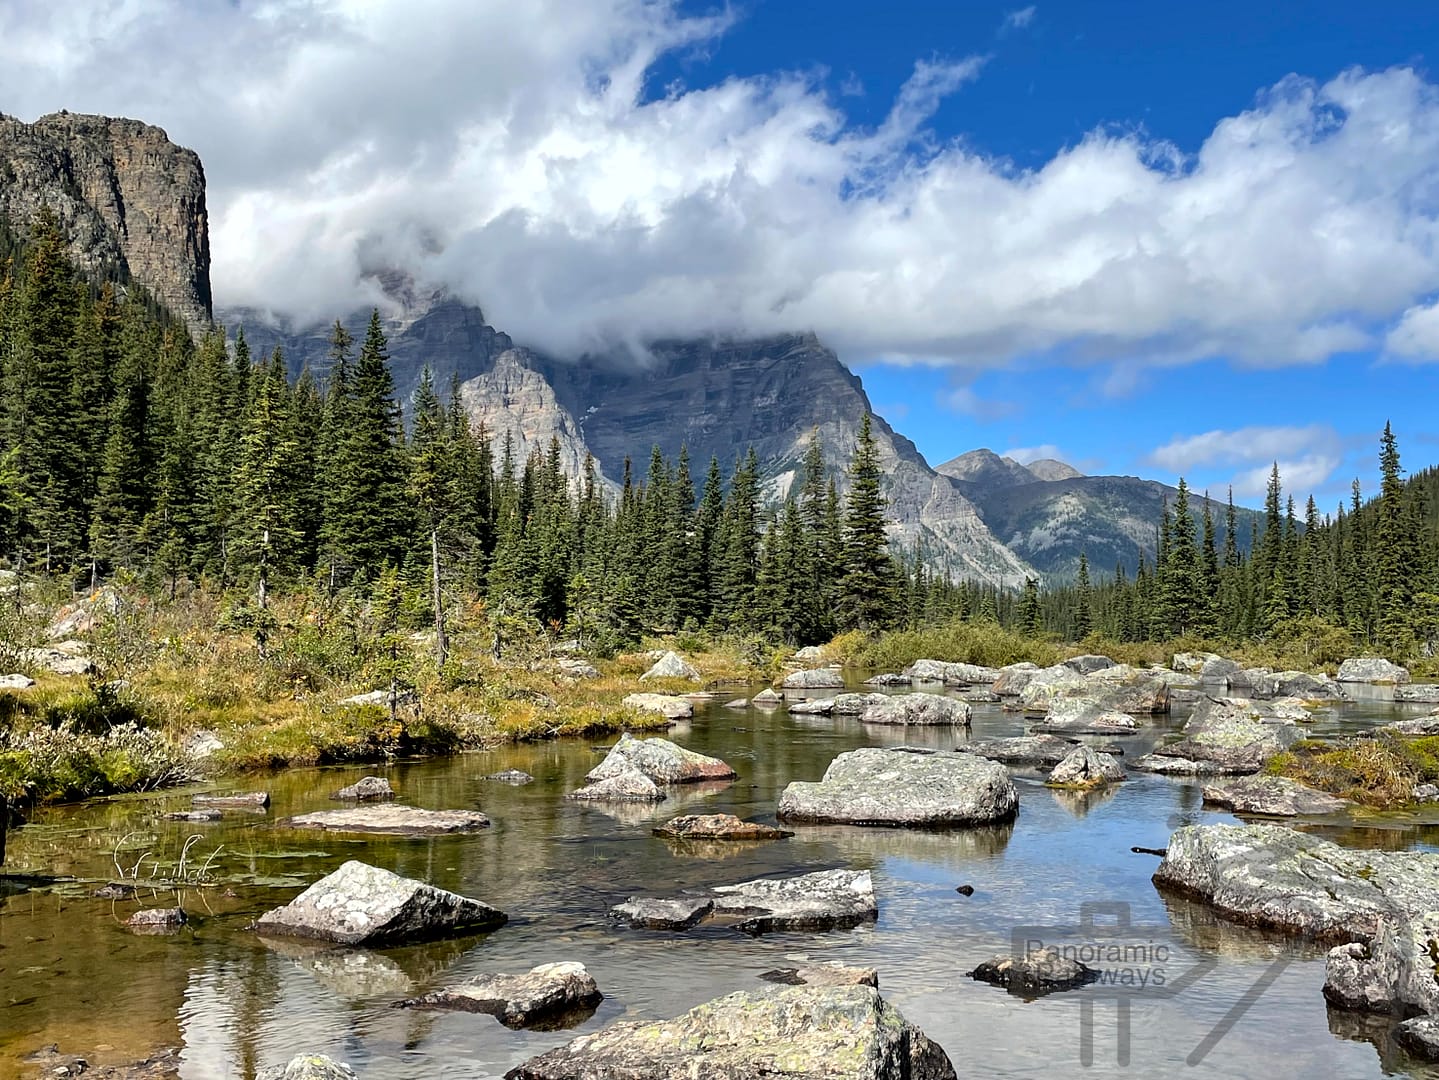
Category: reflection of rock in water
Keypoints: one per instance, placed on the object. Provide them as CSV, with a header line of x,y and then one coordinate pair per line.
x,y
363,973
1373,1028
676,796
1198,926
1080,803
712,849
1391,834
940,847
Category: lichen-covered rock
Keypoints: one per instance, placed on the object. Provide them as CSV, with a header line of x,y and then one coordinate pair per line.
x,y
671,666
826,900
1013,678
662,761
814,679
1088,663
627,785
390,820
1222,738
667,705
1191,663
1085,718
856,704
1218,669
157,921
1414,727
1420,1036
574,668
1086,768
550,995
918,709
56,661
718,827
360,904
943,671
889,678
1306,687
872,786
798,1032
1273,796
1036,750
1372,669
1043,971
307,1067
16,682
1426,693
812,707
366,789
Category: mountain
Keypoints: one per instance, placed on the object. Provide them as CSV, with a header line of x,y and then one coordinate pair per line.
x,y
715,397
1050,469
130,202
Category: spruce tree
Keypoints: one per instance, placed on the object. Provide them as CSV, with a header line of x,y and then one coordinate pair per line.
x,y
1083,614
865,590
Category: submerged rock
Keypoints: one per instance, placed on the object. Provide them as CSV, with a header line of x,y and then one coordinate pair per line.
x,y
827,900
918,709
799,1032
718,827
194,816
157,921
360,904
365,789
671,666
307,1067
831,973
737,703
1085,768
1372,669
1273,796
814,679
662,761
549,996
510,776
1039,750
667,705
872,786
238,800
391,820
1044,971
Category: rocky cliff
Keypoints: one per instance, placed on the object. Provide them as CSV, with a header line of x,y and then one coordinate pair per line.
x,y
126,197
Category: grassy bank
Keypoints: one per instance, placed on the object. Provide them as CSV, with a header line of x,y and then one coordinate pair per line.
x,y
1381,772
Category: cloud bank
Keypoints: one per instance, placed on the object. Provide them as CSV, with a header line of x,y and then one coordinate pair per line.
x,y
1307,456
518,154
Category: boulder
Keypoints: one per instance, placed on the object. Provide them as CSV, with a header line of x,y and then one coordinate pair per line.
x,y
812,707
157,921
671,666
203,744
809,654
1426,693
1221,738
766,697
662,761
942,671
888,678
798,1032
577,669
1088,663
667,705
1273,796
1307,687
390,820
1420,1036
918,709
1191,663
814,679
855,704
628,785
56,661
827,900
510,776
1042,971
551,996
1081,717
1044,686
1086,768
235,800
1372,669
307,1067
1038,750
830,973
737,703
1415,727
366,789
16,682
360,904
378,698
873,786
718,827
1218,669
1013,678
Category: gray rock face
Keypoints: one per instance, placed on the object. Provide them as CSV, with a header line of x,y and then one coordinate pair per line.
x,y
896,787
391,820
360,904
1426,693
1371,669
718,827
671,666
551,995
812,707
667,705
1043,971
1088,663
125,196
577,669
918,709
1039,750
814,679
157,921
943,671
1086,768
1191,663
237,800
799,1032
662,761
1221,738
1036,689
627,785
827,900
1273,796
1111,690
366,789
1218,669
307,1067
1382,902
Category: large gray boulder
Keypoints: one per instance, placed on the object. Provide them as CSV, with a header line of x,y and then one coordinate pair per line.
x,y
662,761
1372,669
1420,1036
1134,693
1218,669
1088,664
1222,738
1414,727
814,679
1191,663
872,786
627,785
826,900
667,705
671,666
1308,687
796,1032
1014,677
1380,903
390,819
855,704
951,674
551,995
1086,768
360,904
1080,716
1272,796
918,709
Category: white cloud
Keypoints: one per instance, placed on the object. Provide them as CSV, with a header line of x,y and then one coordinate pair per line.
x,y
1416,337
1025,455
1019,19
1307,456
517,153
1299,476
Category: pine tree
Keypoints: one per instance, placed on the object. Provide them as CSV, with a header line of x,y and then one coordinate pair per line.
x,y
433,489
1083,616
1030,623
1395,564
869,571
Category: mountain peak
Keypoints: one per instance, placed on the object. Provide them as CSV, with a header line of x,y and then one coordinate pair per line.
x,y
1052,469
983,468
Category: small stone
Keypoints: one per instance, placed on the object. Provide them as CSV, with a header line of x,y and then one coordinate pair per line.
x,y
1040,972
549,996
156,921
196,816
510,776
718,827
965,890
366,789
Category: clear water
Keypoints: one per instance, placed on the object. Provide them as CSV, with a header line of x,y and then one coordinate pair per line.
x,y
71,974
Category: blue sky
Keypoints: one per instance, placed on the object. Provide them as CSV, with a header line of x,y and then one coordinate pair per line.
x,y
1154,239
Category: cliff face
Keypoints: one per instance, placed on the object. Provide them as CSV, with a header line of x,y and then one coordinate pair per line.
x,y
125,197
